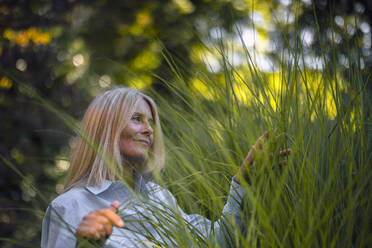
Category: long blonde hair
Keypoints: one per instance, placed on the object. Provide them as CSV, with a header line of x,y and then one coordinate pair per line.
x,y
96,156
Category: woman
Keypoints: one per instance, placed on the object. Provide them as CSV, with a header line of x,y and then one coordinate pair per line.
x,y
120,140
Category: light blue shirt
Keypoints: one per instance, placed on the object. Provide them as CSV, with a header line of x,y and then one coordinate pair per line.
x,y
150,214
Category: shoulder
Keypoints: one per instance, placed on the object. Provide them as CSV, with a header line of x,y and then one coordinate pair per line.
x,y
155,188
159,193
70,206
67,205
77,201
69,197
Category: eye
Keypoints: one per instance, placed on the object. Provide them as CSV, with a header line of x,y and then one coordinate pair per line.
x,y
136,118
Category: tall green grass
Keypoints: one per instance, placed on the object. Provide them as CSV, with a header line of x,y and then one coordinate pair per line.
x,y
321,198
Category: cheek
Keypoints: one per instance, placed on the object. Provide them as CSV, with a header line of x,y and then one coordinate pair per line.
x,y
121,144
126,136
124,143
128,146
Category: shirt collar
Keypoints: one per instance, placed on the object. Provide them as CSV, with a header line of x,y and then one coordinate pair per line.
x,y
139,185
98,189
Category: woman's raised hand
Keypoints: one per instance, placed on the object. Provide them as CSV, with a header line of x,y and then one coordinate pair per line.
x,y
98,224
260,149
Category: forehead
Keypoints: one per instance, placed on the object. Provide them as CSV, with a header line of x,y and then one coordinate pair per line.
x,y
143,107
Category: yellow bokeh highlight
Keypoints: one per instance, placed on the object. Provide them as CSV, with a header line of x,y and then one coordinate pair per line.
x,y
330,105
143,17
241,90
264,7
141,26
184,6
5,83
17,155
312,82
21,39
316,88
8,34
353,121
142,82
25,37
273,103
201,88
196,53
262,41
277,84
146,60
135,29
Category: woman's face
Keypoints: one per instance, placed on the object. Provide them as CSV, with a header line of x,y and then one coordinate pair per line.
x,y
137,137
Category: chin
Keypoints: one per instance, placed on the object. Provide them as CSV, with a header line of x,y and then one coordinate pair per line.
x,y
137,161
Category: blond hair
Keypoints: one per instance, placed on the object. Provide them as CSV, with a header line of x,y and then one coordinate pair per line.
x,y
96,156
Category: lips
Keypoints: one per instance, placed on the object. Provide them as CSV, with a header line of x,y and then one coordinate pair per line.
x,y
144,142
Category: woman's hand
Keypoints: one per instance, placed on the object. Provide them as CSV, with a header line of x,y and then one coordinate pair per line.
x,y
98,224
258,150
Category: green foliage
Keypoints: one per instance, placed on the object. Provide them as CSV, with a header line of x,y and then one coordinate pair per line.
x,y
321,198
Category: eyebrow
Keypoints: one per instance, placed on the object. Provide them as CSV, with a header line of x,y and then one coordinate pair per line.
x,y
141,114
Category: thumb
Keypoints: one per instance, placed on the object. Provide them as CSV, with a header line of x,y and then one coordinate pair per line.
x,y
114,206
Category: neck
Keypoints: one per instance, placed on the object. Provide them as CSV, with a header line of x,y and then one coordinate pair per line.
x,y
131,165
129,176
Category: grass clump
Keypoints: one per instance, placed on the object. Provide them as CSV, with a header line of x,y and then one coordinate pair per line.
x,y
320,198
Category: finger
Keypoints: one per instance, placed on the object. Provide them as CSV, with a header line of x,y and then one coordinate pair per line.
x,y
113,217
265,135
95,226
91,216
250,156
106,223
108,228
259,144
285,152
262,139
100,229
114,206
81,231
87,230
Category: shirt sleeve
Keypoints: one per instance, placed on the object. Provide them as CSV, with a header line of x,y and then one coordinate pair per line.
x,y
230,218
217,233
56,231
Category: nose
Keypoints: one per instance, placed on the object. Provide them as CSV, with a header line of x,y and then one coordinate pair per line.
x,y
147,129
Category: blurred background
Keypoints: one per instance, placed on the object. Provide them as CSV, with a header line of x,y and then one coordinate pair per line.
x,y
67,51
